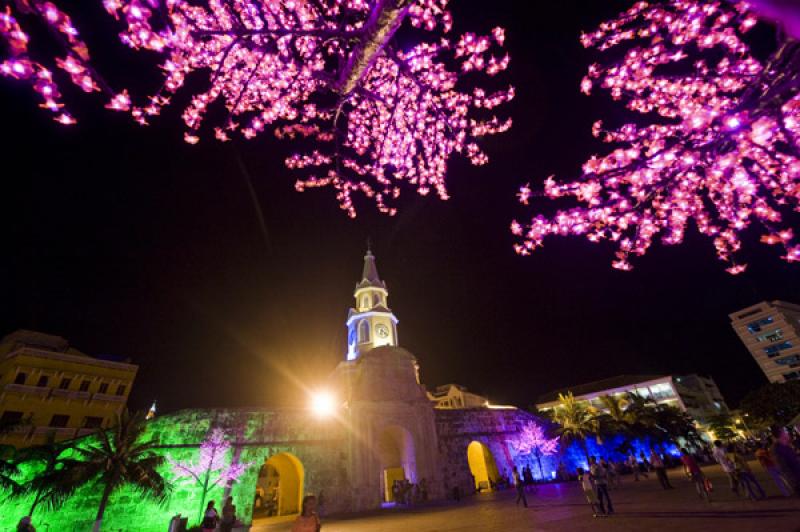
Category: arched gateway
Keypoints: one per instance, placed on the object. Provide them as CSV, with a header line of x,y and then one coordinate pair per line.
x,y
280,485
482,466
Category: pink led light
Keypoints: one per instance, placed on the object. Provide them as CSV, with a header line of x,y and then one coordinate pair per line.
x,y
327,71
718,144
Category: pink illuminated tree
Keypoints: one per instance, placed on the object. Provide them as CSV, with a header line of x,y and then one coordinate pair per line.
x,y
213,468
717,144
368,114
533,440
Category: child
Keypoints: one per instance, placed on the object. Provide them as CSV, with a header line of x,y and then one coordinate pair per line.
x,y
588,490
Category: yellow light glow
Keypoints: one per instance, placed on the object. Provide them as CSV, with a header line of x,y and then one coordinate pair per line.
x,y
323,404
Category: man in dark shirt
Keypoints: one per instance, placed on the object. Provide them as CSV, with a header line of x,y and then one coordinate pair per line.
x,y
786,458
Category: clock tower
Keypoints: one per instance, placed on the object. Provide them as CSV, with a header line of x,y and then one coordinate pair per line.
x,y
370,323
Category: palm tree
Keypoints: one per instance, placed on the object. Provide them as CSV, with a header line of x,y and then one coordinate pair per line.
x,y
115,459
8,470
576,421
53,458
615,418
670,424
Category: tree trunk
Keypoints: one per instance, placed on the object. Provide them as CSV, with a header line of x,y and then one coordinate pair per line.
x,y
582,442
35,503
384,21
98,522
203,497
541,471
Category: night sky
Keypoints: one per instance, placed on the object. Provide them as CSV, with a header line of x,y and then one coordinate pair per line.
x,y
132,244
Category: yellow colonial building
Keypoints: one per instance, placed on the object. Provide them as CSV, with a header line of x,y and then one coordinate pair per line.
x,y
47,387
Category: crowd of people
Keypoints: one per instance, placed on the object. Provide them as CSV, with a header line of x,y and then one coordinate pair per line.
x,y
408,493
777,454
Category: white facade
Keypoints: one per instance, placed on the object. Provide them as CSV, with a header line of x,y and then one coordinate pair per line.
x,y
697,396
770,330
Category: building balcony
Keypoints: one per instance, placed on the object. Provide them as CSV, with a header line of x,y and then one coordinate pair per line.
x,y
59,432
24,389
108,398
70,394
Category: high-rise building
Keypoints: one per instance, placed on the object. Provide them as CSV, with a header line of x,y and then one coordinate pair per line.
x,y
50,389
771,332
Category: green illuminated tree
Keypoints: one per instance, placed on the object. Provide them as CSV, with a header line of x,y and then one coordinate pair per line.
x,y
576,421
112,459
8,470
50,459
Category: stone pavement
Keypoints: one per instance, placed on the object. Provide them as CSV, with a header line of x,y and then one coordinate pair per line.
x,y
640,506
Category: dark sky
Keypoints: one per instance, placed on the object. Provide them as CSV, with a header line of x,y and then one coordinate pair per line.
x,y
130,243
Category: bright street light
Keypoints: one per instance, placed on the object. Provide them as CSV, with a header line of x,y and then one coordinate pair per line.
x,y
323,404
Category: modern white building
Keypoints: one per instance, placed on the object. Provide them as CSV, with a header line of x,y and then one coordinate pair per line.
x,y
770,330
698,396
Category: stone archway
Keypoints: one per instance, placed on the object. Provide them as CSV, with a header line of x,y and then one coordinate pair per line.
x,y
280,486
397,457
482,466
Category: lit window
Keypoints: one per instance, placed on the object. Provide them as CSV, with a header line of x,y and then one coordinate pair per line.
x,y
755,326
772,336
363,331
788,361
774,350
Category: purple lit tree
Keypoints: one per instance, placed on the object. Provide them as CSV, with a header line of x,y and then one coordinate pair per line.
x,y
369,114
718,143
212,469
533,440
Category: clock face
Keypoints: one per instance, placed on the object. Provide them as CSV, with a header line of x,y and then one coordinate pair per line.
x,y
382,330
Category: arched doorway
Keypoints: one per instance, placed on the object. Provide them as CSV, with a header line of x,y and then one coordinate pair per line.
x,y
482,466
397,458
279,490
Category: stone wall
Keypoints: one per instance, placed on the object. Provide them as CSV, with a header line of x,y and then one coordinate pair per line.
x,y
494,428
255,436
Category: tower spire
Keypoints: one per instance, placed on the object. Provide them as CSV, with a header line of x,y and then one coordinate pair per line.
x,y
369,275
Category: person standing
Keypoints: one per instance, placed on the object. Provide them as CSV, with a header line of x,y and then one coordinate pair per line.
x,y
308,520
600,479
634,465
520,487
228,520
693,472
661,471
589,492
210,518
727,466
764,457
745,475
786,457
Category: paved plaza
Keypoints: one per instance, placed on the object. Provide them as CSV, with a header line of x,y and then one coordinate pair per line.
x,y
640,506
